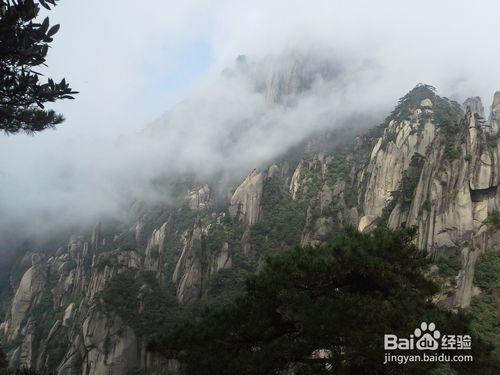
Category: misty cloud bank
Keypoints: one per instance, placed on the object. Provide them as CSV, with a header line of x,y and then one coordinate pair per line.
x,y
358,59
241,120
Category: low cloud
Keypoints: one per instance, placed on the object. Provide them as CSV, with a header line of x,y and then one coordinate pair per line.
x,y
240,120
220,114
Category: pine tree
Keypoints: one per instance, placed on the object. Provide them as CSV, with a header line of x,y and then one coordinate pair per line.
x,y
322,311
24,43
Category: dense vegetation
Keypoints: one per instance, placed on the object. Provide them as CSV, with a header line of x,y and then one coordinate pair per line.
x,y
155,309
445,111
339,299
3,359
494,219
282,221
485,308
339,169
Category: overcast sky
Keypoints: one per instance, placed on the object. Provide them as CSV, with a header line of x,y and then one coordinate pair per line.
x,y
133,60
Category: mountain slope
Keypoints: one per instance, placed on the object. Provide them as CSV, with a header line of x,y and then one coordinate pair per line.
x,y
89,307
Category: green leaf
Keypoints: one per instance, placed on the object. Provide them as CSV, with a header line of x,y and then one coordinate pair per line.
x,y
53,30
44,4
45,25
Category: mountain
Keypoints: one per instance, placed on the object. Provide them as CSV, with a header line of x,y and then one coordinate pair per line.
x,y
89,307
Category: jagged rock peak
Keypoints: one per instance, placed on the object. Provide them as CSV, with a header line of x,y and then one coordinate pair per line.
x,y
281,77
495,106
495,114
96,236
198,197
474,104
496,101
422,99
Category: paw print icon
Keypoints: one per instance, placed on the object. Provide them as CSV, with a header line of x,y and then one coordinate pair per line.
x,y
427,336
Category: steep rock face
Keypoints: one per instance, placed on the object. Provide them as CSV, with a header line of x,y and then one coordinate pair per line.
x,y
105,346
475,175
446,219
451,204
25,354
246,200
495,113
56,317
154,259
198,198
416,170
196,263
107,265
295,182
391,156
474,105
220,260
27,295
188,274
427,169
69,266
321,183
456,191
286,81
96,239
285,78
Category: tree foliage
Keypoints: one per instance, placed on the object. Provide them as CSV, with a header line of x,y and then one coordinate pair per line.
x,y
485,307
138,299
24,43
337,300
3,359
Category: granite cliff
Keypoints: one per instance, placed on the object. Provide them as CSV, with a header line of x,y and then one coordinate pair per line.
x,y
89,307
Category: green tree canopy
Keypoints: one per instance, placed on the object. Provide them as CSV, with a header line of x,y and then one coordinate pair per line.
x,y
24,43
3,359
320,310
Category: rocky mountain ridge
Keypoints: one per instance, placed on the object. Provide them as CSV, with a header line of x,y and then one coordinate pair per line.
x,y
89,307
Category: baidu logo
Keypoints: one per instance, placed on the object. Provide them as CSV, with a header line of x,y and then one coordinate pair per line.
x,y
427,337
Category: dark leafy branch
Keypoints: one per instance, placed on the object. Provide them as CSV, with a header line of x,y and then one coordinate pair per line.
x,y
24,44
